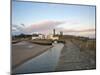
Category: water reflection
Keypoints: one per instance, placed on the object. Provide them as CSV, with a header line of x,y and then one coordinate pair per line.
x,y
43,63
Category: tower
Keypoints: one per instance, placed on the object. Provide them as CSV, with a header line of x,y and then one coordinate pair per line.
x,y
54,32
61,33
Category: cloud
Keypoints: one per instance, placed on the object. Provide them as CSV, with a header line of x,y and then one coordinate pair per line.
x,y
43,26
46,26
22,25
17,29
83,30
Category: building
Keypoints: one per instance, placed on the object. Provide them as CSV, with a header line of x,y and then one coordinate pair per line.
x,y
39,36
35,37
61,33
52,37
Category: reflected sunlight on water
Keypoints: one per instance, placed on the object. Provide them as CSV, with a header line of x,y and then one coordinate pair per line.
x,y
43,63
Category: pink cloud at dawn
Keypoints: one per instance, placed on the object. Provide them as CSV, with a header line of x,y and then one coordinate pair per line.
x,y
43,26
46,27
83,30
49,25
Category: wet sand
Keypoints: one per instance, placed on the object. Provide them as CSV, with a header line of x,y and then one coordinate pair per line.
x,y
73,59
46,62
24,51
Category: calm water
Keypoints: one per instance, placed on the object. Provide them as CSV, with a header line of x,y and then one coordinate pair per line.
x,y
45,62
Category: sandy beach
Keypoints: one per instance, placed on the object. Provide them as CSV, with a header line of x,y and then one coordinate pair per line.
x,y
23,51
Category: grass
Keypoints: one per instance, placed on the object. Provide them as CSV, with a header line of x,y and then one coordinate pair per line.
x,y
87,46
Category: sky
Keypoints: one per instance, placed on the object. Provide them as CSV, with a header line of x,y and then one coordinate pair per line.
x,y
32,17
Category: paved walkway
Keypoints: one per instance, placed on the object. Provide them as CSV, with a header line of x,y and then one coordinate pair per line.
x,y
73,59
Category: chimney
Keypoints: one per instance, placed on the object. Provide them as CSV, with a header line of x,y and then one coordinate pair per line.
x,y
54,32
61,33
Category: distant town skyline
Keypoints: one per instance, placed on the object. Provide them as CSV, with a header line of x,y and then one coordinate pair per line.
x,y
33,17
